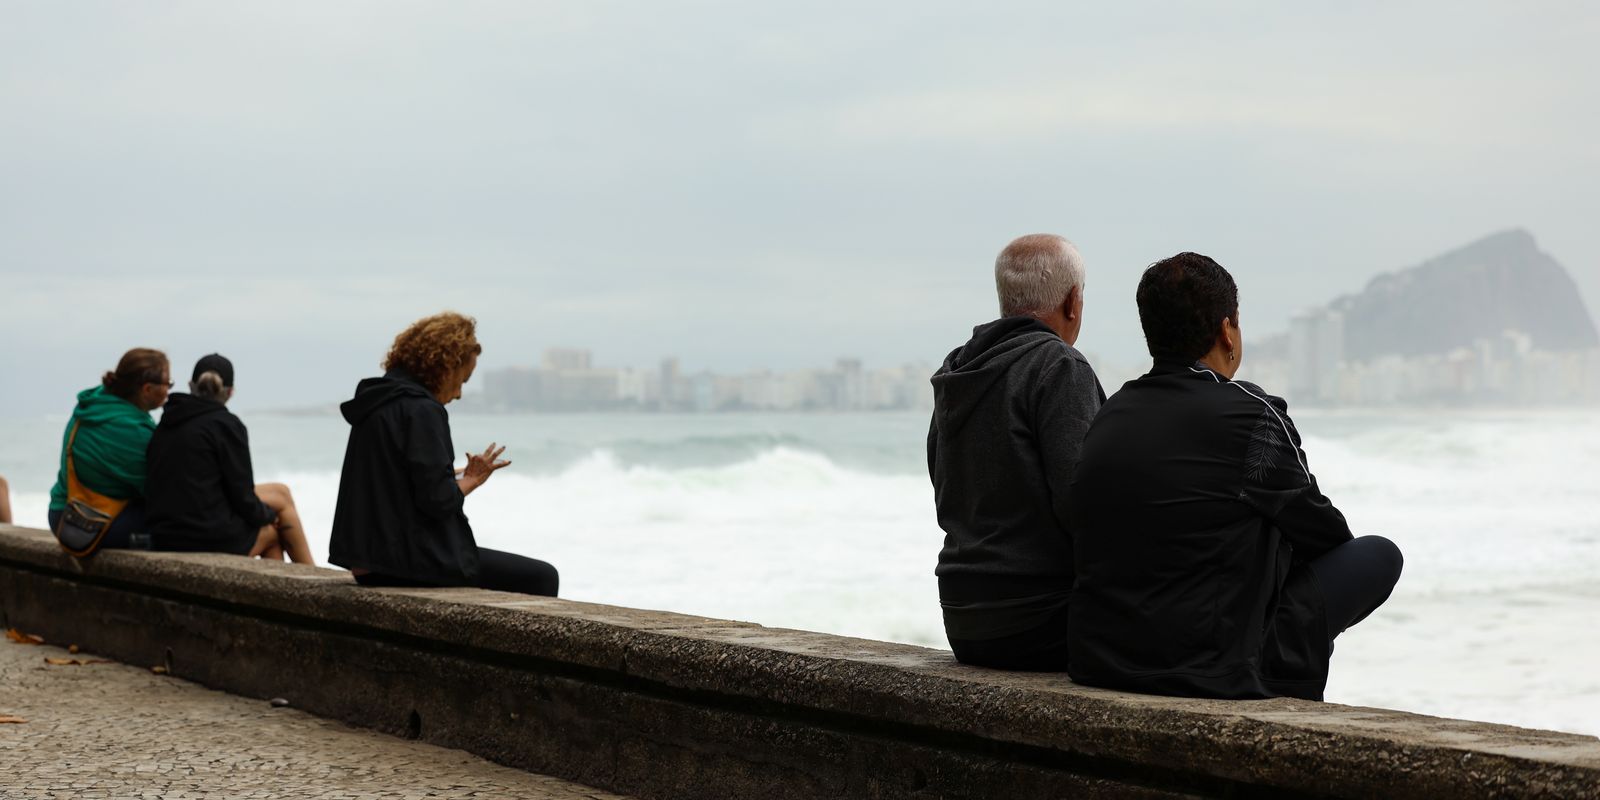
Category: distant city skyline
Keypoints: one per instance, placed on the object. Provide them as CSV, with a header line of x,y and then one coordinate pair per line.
x,y
1505,370
568,379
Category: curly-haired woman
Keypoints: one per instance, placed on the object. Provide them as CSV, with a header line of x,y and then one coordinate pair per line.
x,y
399,518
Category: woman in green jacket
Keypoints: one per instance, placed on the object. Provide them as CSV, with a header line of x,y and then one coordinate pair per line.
x,y
109,431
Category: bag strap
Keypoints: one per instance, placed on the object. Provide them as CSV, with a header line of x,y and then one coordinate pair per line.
x,y
75,487
72,474
77,490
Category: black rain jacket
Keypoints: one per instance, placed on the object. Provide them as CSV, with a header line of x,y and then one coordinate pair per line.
x,y
1009,413
399,511
1197,513
200,492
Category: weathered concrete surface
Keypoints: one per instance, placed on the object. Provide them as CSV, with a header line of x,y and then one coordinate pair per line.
x,y
667,705
108,730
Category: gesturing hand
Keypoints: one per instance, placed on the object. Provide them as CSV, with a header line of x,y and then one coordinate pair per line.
x,y
480,466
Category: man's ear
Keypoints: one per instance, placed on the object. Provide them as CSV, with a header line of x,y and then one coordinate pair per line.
x,y
1224,339
1069,306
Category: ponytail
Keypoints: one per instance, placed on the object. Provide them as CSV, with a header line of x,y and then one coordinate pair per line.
x,y
209,387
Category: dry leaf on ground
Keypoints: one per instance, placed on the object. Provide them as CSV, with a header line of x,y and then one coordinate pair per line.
x,y
23,638
5,720
159,670
72,648
75,662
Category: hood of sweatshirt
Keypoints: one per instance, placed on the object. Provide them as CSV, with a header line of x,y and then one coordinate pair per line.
x,y
971,370
182,408
375,393
96,406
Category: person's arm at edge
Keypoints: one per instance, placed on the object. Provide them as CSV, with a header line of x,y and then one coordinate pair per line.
x,y
1278,482
430,460
1065,402
238,477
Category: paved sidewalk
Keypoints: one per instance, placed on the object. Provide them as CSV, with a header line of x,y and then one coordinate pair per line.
x,y
116,731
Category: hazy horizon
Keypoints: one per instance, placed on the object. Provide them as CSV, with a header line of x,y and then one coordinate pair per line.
x,y
740,187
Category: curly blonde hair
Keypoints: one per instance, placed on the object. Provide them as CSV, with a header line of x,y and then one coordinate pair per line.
x,y
434,347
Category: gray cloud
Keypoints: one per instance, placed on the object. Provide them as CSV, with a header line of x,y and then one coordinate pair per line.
x,y
740,184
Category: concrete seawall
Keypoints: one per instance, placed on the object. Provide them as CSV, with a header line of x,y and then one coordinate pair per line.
x,y
665,705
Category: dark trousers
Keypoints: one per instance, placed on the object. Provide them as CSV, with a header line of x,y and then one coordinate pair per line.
x,y
127,530
1355,578
1042,649
497,570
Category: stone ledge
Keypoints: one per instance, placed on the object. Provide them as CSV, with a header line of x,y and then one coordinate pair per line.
x,y
667,705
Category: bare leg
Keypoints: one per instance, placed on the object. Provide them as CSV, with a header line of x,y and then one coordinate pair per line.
x,y
5,502
291,536
267,544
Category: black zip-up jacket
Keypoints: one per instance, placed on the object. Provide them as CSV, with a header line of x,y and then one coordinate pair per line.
x,y
200,492
1009,412
399,511
1196,514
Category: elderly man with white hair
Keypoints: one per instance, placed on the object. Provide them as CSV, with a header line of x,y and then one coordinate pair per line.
x,y
1010,410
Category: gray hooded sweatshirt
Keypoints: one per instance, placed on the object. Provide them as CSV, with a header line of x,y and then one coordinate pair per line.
x,y
1010,411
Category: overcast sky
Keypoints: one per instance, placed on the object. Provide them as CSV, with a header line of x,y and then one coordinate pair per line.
x,y
739,184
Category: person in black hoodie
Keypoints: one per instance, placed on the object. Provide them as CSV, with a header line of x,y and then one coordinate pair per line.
x,y
399,519
1009,413
1209,563
200,491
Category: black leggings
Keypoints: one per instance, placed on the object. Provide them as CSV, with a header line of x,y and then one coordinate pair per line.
x,y
497,570
1355,578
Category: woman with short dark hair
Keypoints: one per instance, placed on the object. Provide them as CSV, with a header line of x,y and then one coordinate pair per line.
x,y
1207,561
201,490
107,436
399,520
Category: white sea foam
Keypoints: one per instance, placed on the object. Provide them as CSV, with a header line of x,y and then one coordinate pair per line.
x,y
787,538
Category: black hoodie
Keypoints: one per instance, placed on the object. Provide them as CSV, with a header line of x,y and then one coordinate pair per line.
x,y
200,493
1010,410
400,511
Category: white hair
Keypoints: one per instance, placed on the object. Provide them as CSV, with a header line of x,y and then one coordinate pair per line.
x,y
1035,273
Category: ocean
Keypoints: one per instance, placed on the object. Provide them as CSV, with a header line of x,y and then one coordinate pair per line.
x,y
825,522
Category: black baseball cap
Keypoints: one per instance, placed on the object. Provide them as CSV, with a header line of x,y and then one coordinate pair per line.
x,y
214,363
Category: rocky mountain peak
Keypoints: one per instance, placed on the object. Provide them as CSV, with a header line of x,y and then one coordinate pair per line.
x,y
1500,282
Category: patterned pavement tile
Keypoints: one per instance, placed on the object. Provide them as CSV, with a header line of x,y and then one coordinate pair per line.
x,y
109,730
